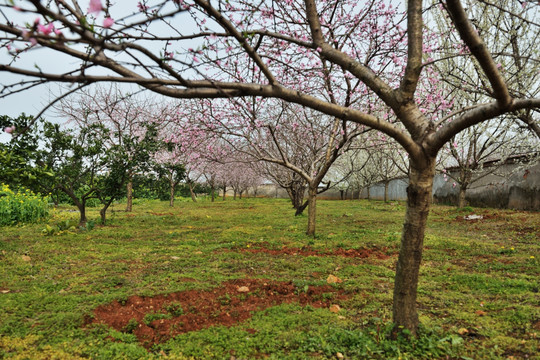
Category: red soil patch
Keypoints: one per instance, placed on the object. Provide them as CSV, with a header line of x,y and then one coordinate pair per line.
x,y
161,214
307,251
194,310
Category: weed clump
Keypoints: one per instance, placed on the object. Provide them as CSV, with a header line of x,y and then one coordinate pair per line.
x,y
22,206
130,326
175,309
148,318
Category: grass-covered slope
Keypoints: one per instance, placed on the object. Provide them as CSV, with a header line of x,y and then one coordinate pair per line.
x,y
239,279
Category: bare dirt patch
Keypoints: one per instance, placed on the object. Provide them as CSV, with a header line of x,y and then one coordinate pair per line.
x,y
161,214
157,319
381,254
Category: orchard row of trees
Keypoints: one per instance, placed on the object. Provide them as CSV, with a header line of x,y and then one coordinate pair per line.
x,y
89,161
112,139
422,78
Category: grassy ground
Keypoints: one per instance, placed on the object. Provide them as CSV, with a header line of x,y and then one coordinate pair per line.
x,y
478,291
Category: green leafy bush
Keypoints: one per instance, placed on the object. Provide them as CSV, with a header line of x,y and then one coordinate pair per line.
x,y
22,206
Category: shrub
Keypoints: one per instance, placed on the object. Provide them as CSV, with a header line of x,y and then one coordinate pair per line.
x,y
22,206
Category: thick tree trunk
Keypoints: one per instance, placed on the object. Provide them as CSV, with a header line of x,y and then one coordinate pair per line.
x,y
234,196
312,199
410,255
301,208
171,189
224,192
129,188
240,194
368,194
103,215
193,197
82,214
462,202
386,191
213,193
297,198
296,193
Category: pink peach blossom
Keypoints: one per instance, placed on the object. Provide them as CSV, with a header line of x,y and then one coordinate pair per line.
x,y
45,29
108,22
95,7
9,129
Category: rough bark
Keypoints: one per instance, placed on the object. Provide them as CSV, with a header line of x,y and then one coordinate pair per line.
x,y
410,256
103,212
224,192
171,199
82,212
312,199
129,188
103,215
301,208
297,198
213,193
193,197
81,205
462,202
296,193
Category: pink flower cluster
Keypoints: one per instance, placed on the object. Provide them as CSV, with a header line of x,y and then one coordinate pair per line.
x,y
95,7
9,129
142,7
108,22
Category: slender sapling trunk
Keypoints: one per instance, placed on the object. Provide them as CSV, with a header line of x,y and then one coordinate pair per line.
x,y
103,211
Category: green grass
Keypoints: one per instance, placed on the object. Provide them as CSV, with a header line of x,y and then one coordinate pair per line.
x,y
480,276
